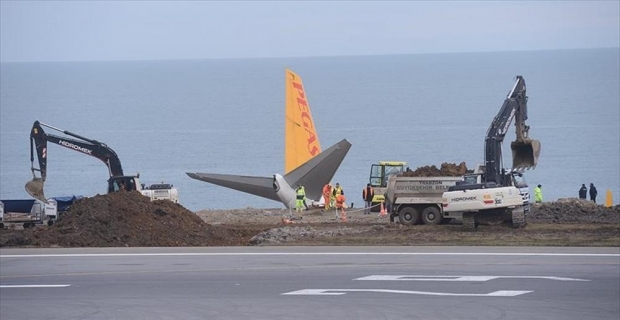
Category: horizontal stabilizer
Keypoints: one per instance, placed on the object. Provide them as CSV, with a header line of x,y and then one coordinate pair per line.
x,y
259,186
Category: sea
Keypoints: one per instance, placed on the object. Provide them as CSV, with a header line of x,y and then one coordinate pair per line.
x,y
166,118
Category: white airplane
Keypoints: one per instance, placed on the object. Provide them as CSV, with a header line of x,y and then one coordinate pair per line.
x,y
304,163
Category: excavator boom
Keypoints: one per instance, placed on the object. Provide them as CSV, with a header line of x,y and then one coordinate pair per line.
x,y
525,151
38,143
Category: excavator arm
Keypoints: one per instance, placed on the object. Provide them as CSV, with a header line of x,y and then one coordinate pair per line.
x,y
38,142
525,151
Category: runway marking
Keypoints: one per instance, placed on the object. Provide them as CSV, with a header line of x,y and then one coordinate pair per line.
x,y
189,254
458,278
338,292
36,286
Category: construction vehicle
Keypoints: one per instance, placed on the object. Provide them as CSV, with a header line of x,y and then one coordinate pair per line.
x,y
415,200
379,174
117,181
28,212
499,193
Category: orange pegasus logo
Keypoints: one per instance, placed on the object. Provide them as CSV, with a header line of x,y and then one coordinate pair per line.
x,y
302,106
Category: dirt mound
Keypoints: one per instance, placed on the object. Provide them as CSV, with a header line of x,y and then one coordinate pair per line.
x,y
446,170
573,210
124,219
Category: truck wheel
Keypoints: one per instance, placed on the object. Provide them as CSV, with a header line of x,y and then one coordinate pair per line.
x,y
408,216
431,215
469,221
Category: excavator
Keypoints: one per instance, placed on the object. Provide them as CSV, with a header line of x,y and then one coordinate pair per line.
x,y
117,181
497,192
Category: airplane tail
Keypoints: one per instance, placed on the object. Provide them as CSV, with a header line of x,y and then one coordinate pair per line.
x,y
304,163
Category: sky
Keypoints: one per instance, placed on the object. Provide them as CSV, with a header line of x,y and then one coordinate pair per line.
x,y
156,30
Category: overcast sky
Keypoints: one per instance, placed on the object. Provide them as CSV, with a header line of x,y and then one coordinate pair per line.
x,y
148,30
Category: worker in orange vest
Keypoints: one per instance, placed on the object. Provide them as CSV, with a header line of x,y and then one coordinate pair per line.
x,y
340,205
327,196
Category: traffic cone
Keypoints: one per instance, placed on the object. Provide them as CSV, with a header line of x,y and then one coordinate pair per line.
x,y
609,201
343,216
382,213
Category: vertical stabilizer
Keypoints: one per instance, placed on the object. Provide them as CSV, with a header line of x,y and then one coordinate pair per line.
x,y
301,140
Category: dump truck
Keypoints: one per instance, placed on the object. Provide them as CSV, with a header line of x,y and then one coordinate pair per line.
x,y
416,200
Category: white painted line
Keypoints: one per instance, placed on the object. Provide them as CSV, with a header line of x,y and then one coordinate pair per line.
x,y
36,286
335,292
189,254
458,278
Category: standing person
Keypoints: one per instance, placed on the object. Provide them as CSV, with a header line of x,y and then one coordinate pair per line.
x,y
327,196
300,199
593,192
340,205
335,193
583,191
367,194
303,189
338,190
538,198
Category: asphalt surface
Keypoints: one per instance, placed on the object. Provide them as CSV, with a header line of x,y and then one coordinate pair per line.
x,y
311,283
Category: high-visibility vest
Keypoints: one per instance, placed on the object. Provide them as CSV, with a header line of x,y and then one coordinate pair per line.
x,y
301,193
538,194
338,190
364,193
327,189
340,199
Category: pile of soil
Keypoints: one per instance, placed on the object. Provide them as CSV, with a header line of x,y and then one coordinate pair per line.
x,y
573,210
446,170
124,219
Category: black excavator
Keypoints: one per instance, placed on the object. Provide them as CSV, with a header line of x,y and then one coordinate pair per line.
x,y
117,181
497,191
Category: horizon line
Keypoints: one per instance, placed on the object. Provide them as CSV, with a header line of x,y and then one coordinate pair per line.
x,y
305,57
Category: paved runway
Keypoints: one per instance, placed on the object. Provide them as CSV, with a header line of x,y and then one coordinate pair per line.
x,y
311,283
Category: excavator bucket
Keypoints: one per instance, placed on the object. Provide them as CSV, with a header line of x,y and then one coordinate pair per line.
x,y
34,188
525,154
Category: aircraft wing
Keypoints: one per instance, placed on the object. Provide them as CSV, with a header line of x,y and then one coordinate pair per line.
x,y
259,186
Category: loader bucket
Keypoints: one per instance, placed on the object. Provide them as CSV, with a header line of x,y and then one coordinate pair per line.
x,y
525,154
34,188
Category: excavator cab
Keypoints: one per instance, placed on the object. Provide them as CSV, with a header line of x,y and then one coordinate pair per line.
x,y
123,183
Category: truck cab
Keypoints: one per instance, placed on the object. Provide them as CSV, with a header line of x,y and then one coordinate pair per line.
x,y
379,174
